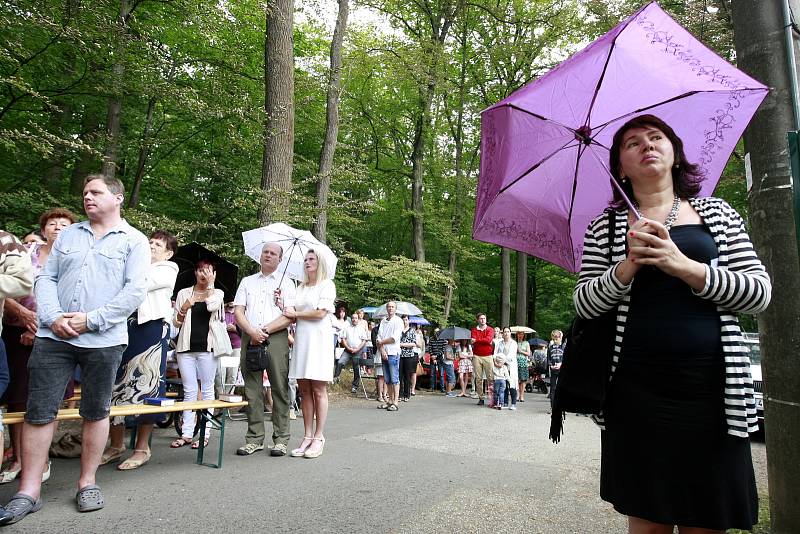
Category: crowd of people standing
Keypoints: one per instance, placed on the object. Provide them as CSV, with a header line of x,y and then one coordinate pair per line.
x,y
396,352
102,314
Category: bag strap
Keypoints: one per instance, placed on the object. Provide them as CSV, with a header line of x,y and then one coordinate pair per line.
x,y
558,415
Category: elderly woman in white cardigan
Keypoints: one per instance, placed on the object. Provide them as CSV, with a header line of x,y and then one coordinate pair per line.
x,y
200,315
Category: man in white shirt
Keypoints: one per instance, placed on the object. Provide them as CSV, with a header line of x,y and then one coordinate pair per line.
x,y
388,346
353,339
261,319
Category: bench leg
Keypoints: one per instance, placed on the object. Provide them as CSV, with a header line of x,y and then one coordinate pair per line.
x,y
201,437
222,415
216,422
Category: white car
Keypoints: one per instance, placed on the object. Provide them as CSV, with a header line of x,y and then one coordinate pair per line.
x,y
751,343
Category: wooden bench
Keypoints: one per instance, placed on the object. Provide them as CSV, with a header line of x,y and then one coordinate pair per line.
x,y
76,395
202,407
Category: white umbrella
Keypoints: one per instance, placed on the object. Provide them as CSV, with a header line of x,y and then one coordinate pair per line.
x,y
403,308
523,329
295,243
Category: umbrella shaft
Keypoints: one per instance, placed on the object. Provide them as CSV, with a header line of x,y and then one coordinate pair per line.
x,y
625,197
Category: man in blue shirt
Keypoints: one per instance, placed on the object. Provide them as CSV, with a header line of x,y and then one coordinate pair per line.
x,y
95,277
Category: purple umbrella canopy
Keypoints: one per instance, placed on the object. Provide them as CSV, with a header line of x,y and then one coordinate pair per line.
x,y
544,149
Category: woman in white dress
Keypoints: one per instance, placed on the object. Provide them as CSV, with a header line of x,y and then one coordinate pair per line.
x,y
312,354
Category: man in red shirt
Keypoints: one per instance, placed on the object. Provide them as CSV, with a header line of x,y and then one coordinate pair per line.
x,y
482,350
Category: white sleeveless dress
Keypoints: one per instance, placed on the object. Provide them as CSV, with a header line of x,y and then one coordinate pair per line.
x,y
312,355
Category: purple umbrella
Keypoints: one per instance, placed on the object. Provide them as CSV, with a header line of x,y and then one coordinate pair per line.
x,y
544,149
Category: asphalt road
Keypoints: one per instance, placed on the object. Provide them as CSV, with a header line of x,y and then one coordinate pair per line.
x,y
436,465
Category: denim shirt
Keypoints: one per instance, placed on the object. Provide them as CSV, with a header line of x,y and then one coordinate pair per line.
x,y
105,278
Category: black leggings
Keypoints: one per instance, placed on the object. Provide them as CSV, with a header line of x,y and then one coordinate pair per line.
x,y
408,366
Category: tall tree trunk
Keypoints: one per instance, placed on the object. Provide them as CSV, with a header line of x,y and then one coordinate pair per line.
x,y
458,139
522,289
115,100
418,172
440,28
144,153
761,52
320,228
505,287
276,167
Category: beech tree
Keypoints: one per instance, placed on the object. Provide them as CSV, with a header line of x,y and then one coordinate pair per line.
x,y
276,166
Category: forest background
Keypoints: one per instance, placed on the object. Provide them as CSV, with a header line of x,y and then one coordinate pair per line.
x,y
170,96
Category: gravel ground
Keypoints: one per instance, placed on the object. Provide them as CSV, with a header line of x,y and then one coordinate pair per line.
x,y
436,465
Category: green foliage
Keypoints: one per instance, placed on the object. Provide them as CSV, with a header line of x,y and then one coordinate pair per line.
x,y
201,65
371,282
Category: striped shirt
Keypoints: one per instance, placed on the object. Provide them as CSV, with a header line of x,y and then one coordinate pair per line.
x,y
737,283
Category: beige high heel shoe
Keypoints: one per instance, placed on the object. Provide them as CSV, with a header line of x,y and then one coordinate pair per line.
x,y
300,451
315,453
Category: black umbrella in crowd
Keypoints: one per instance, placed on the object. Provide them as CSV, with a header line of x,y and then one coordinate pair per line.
x,y
455,332
187,257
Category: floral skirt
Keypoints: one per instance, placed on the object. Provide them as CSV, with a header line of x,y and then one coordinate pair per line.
x,y
141,373
522,368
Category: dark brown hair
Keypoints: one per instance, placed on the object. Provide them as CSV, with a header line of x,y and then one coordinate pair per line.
x,y
169,240
56,213
686,177
203,263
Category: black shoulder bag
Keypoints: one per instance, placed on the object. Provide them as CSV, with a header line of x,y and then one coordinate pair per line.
x,y
586,364
256,358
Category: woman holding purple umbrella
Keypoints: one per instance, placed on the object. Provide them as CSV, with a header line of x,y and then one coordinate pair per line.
x,y
680,402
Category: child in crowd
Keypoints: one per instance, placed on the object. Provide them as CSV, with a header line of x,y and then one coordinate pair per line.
x,y
500,372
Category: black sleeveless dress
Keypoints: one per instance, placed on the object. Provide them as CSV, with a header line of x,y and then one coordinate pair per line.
x,y
666,455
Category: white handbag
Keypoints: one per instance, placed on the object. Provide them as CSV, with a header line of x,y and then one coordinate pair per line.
x,y
220,341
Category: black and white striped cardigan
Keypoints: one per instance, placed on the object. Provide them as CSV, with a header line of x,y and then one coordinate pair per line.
x,y
737,282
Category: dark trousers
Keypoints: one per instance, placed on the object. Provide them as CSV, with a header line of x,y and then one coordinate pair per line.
x,y
408,366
